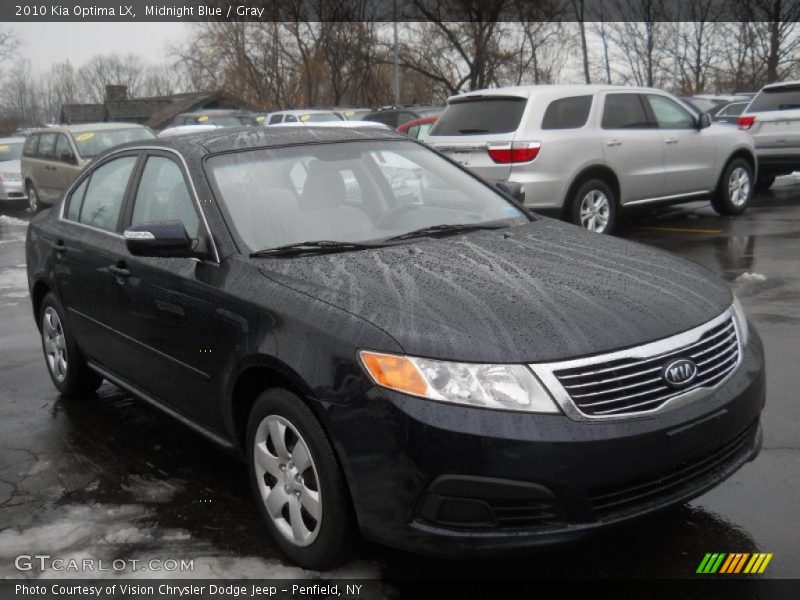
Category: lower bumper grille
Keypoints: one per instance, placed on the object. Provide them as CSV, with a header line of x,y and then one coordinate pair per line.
x,y
672,482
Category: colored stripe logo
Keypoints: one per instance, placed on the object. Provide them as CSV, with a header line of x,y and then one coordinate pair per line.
x,y
734,563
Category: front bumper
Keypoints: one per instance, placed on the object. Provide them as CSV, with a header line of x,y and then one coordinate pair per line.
x,y
445,479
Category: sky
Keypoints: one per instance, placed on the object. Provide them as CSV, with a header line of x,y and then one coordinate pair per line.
x,y
47,43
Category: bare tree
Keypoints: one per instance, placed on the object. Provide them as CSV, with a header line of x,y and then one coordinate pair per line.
x,y
696,44
640,42
579,10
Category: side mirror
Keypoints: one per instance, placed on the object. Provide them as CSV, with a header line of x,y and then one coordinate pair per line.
x,y
162,240
704,121
513,189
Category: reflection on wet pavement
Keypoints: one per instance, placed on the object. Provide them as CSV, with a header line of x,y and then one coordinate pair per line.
x,y
109,477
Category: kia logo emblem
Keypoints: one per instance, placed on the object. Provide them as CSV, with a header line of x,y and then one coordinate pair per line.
x,y
680,372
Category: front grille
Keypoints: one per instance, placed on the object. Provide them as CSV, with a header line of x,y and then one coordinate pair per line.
x,y
632,385
672,482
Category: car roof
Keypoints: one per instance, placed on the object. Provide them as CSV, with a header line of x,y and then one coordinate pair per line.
x,y
247,138
87,127
301,111
780,84
12,140
525,91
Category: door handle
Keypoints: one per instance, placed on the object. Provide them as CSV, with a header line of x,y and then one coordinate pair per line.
x,y
59,247
613,143
120,272
671,141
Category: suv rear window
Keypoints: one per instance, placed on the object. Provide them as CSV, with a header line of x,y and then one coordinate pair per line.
x,y
784,97
480,116
567,113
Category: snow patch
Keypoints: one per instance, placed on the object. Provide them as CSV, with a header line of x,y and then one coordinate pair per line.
x,y
143,489
750,278
13,221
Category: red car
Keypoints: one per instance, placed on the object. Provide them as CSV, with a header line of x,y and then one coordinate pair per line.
x,y
418,128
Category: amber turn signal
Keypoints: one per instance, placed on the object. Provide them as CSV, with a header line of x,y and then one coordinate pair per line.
x,y
394,372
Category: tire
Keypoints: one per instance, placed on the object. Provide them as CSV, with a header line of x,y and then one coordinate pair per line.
x,y
594,207
314,540
735,189
34,204
63,358
764,181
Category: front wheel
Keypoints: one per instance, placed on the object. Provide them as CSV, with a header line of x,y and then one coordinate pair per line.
x,y
34,204
298,483
594,207
735,189
63,358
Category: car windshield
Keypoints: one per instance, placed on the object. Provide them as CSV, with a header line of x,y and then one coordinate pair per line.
x,y
10,151
319,117
92,143
349,192
228,121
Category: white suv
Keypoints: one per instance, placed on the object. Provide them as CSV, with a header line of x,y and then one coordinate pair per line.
x,y
588,151
773,119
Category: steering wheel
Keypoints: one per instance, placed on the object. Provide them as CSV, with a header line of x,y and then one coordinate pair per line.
x,y
396,212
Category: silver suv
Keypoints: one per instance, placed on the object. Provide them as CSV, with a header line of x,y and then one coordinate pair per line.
x,y
773,119
589,151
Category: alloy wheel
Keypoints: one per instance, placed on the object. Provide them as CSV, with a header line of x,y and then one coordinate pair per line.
x,y
739,186
33,199
595,211
287,480
55,345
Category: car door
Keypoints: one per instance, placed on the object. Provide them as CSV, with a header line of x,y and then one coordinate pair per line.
x,y
43,174
690,153
87,254
632,146
167,308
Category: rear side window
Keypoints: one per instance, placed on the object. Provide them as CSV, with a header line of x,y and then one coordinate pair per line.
x,y
785,97
76,200
30,145
275,119
624,111
567,113
106,192
481,116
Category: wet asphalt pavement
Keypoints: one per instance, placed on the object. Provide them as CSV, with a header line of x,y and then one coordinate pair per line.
x,y
108,477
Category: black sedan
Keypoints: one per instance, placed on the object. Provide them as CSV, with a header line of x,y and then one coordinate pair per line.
x,y
395,346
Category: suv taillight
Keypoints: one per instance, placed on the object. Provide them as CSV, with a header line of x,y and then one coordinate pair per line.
x,y
746,122
515,152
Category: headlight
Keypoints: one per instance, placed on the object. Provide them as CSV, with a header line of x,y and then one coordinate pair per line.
x,y
506,387
741,319
10,177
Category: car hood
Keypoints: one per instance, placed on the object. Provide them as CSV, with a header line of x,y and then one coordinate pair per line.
x,y
11,166
538,292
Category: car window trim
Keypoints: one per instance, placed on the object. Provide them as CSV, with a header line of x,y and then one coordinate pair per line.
x,y
140,149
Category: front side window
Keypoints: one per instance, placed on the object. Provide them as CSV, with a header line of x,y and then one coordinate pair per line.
x,y
669,114
567,113
47,144
63,150
163,195
92,143
275,119
348,192
105,193
624,111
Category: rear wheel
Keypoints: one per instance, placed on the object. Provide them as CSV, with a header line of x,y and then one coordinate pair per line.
x,y
594,207
63,358
735,189
298,483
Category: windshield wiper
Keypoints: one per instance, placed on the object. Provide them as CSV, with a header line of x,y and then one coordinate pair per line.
x,y
468,131
318,247
444,229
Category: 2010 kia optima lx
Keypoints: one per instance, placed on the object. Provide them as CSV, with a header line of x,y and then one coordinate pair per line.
x,y
393,345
